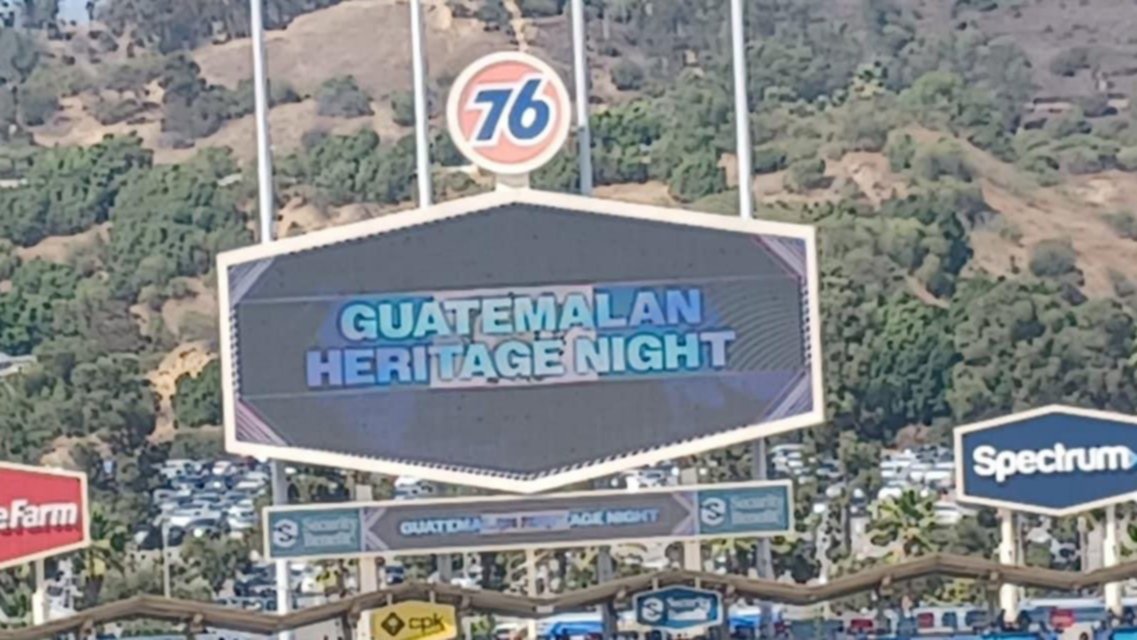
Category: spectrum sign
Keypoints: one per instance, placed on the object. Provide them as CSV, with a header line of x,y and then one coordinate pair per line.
x,y
1054,461
520,340
43,512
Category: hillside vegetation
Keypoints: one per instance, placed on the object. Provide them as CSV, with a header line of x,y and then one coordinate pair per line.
x,y
969,165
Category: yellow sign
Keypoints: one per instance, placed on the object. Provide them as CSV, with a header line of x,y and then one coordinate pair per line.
x,y
414,620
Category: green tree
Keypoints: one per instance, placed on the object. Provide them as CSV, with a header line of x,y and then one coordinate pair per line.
x,y
341,97
403,108
697,176
197,399
103,555
908,523
627,75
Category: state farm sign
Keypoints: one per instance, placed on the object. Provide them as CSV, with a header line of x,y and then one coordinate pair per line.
x,y
43,512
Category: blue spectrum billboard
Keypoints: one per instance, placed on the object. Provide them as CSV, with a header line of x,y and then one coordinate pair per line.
x,y
520,341
1054,461
745,509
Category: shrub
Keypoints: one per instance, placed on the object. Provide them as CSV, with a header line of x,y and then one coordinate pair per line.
x,y
539,8
1070,62
942,159
1095,105
769,158
37,106
697,176
197,399
1082,160
1127,159
113,111
1053,258
341,97
1124,223
805,175
900,150
627,75
403,106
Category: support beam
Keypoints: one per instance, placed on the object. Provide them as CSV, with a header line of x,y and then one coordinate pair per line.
x,y
1008,593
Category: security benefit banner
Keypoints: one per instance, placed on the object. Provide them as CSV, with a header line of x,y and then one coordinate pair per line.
x,y
501,523
414,620
520,342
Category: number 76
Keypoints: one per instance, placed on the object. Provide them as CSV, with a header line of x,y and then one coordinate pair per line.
x,y
519,109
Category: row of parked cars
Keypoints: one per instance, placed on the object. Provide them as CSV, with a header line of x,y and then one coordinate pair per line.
x,y
202,498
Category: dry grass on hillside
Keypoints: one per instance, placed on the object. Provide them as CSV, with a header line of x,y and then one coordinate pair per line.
x,y
365,38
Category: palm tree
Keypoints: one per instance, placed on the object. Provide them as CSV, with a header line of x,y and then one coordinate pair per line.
x,y
105,553
908,521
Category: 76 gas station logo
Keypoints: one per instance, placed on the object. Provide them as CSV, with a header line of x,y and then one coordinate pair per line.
x,y
518,110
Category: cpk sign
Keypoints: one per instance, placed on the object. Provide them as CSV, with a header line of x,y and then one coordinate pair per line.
x,y
1054,461
43,512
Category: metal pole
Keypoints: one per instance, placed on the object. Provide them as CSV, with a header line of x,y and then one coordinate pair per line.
x,y
692,549
741,111
422,144
763,563
260,107
368,572
1109,559
166,584
267,210
531,591
580,76
283,583
1008,593
762,560
39,596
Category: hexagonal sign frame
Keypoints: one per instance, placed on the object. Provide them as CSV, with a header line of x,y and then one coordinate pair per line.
x,y
520,340
1055,461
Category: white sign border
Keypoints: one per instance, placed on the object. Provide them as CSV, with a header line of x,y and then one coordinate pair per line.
x,y
994,423
790,530
84,508
474,204
560,134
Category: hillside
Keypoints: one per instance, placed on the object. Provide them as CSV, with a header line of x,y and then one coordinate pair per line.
x,y
970,166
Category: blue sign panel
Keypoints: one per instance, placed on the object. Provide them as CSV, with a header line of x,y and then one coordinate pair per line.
x,y
678,608
314,533
745,509
1054,461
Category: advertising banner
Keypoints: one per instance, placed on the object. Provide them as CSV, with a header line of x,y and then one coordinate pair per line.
x,y
678,609
520,340
1053,461
503,522
43,512
414,620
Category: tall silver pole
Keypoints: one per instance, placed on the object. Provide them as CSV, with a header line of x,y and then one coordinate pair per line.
x,y
260,110
418,67
762,560
580,76
741,111
267,210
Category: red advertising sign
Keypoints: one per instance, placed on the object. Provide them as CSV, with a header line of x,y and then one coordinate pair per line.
x,y
43,512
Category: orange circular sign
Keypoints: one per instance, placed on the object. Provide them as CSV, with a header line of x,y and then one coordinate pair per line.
x,y
509,113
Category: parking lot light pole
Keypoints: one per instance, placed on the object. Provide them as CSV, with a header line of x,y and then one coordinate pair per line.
x,y
166,557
